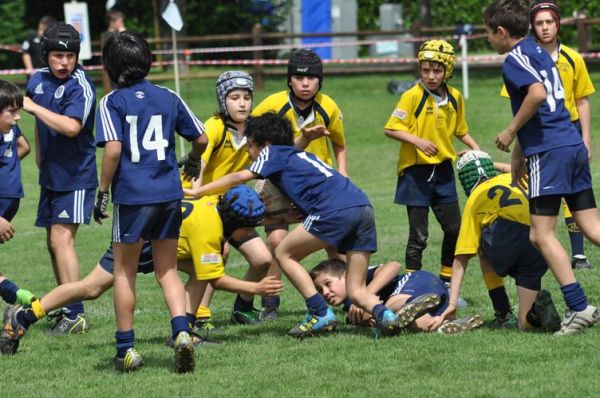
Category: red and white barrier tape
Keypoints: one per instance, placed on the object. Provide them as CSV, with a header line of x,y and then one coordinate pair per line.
x,y
472,59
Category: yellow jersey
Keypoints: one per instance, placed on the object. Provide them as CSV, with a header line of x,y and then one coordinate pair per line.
x,y
418,113
490,200
225,153
574,76
324,112
201,237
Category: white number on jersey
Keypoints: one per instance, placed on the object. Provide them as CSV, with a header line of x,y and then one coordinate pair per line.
x,y
318,163
555,92
8,153
151,141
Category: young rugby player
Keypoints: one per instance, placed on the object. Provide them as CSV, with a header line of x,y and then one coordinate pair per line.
x,y
62,99
226,153
425,120
200,255
419,296
13,148
305,106
557,164
136,126
338,214
544,16
495,225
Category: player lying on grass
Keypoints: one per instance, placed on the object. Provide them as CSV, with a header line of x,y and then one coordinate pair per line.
x,y
419,296
199,255
338,214
495,225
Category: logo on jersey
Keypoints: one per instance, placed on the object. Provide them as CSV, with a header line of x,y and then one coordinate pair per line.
x,y
59,92
210,259
63,43
140,94
399,113
39,89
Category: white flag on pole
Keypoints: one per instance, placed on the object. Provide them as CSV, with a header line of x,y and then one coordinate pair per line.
x,y
110,4
172,16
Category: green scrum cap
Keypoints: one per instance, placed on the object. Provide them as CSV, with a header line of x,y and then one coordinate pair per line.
x,y
473,168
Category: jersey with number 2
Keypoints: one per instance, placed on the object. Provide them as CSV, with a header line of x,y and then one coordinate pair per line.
x,y
145,117
550,127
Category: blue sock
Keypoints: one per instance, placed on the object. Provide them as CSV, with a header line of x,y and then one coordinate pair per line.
x,y
75,309
191,319
575,236
377,311
574,296
26,317
8,291
125,340
316,305
242,305
271,301
179,324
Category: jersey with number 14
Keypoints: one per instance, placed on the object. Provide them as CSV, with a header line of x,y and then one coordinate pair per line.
x,y
145,117
309,182
495,198
550,127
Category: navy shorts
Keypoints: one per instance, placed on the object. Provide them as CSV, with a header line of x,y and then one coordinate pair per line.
x,y
146,264
156,221
351,229
58,207
9,207
559,172
507,247
418,283
427,185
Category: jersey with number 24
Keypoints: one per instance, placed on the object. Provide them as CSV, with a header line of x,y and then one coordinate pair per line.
x,y
550,127
145,117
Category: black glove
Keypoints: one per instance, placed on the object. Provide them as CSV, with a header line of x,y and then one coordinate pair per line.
x,y
191,167
101,206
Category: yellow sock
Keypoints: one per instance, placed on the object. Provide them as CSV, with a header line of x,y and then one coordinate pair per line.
x,y
203,312
39,312
445,272
493,281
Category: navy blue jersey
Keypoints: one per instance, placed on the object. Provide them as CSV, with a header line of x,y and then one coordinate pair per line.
x,y
144,118
67,164
550,127
310,183
10,165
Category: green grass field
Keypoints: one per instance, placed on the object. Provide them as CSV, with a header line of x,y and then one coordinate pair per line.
x,y
262,360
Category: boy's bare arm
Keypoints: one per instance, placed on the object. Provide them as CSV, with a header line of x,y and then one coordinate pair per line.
x,y
268,286
585,120
110,162
469,141
339,152
383,275
23,148
426,146
196,184
536,95
62,124
226,182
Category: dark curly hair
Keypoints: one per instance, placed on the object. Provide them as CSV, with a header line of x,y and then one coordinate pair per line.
x,y
127,58
331,266
10,95
270,127
510,14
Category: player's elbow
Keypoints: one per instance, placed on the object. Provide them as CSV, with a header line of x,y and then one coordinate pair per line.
x,y
72,129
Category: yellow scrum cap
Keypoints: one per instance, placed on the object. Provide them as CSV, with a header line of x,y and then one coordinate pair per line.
x,y
438,51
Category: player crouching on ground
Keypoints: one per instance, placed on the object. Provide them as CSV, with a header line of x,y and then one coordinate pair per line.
x,y
418,297
495,225
199,255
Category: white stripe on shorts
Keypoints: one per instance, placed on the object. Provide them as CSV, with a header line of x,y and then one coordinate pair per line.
x,y
116,229
78,199
309,221
534,176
